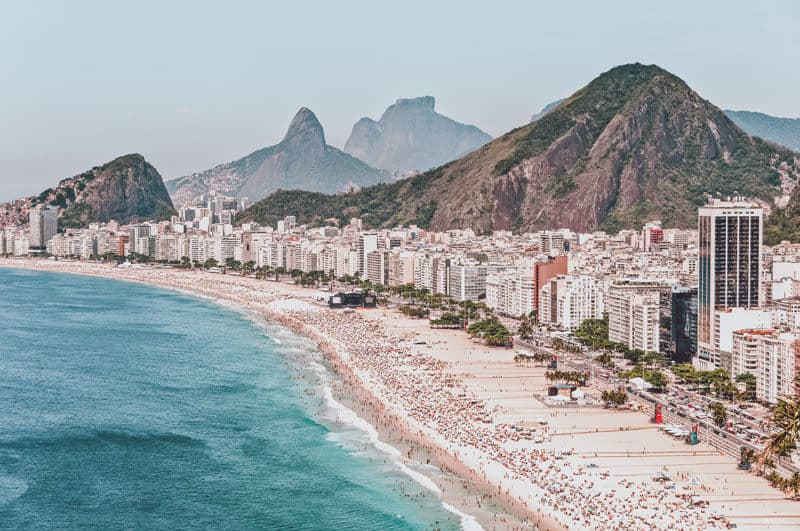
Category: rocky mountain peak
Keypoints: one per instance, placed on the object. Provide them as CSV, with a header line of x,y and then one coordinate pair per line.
x,y
421,103
305,129
411,135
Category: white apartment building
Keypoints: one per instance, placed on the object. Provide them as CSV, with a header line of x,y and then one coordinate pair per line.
x,y
567,300
432,272
365,245
401,268
770,357
511,292
377,270
633,313
468,281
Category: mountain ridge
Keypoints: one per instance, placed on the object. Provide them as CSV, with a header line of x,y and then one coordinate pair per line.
x,y
633,144
301,160
783,131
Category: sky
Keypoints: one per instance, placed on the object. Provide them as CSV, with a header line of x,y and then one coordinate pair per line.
x,y
193,84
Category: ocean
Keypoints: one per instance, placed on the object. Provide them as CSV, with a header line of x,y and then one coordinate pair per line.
x,y
129,407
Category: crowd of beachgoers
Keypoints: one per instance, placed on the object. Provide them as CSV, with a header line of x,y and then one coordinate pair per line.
x,y
420,396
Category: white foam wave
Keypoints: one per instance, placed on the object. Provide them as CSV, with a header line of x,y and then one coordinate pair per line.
x,y
468,522
346,415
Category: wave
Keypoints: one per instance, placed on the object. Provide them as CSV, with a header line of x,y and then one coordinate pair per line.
x,y
98,437
347,416
11,488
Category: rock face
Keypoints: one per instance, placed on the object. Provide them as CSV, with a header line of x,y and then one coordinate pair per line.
x,y
783,131
128,189
634,144
302,160
411,135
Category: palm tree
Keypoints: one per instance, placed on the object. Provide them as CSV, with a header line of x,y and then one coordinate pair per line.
x,y
785,417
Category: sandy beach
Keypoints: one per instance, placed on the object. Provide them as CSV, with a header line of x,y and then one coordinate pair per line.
x,y
474,411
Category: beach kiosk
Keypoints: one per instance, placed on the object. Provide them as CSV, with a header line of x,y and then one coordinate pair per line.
x,y
692,437
658,416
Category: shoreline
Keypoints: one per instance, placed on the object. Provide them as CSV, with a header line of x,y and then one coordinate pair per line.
x,y
464,407
360,401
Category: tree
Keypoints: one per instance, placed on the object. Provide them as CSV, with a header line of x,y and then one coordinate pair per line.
x,y
614,398
718,413
491,331
524,330
209,263
232,263
685,372
786,418
657,379
248,267
749,381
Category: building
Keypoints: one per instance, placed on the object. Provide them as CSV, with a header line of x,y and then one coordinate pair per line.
x,y
543,271
568,300
678,323
634,313
468,281
377,270
511,292
401,268
729,267
43,225
652,236
366,244
551,243
770,357
726,322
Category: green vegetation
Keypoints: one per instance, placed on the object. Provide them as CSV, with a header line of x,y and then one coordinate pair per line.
x,y
538,357
448,319
526,324
654,377
566,377
717,381
415,311
749,381
718,413
614,398
491,331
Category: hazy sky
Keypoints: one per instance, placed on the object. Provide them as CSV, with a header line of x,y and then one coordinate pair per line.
x,y
193,84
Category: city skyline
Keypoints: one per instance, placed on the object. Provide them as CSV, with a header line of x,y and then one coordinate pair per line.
x,y
91,87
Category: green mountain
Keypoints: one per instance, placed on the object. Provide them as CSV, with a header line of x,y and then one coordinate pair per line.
x,y
783,131
128,189
634,144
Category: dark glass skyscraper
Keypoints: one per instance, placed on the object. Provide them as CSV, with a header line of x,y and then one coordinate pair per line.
x,y
729,265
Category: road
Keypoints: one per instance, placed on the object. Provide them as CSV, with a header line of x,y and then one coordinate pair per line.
x,y
605,379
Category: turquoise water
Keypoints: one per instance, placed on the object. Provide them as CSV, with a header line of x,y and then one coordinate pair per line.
x,y
124,406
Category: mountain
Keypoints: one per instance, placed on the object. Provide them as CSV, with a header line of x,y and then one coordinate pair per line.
x,y
546,109
411,135
302,160
783,131
634,144
128,189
